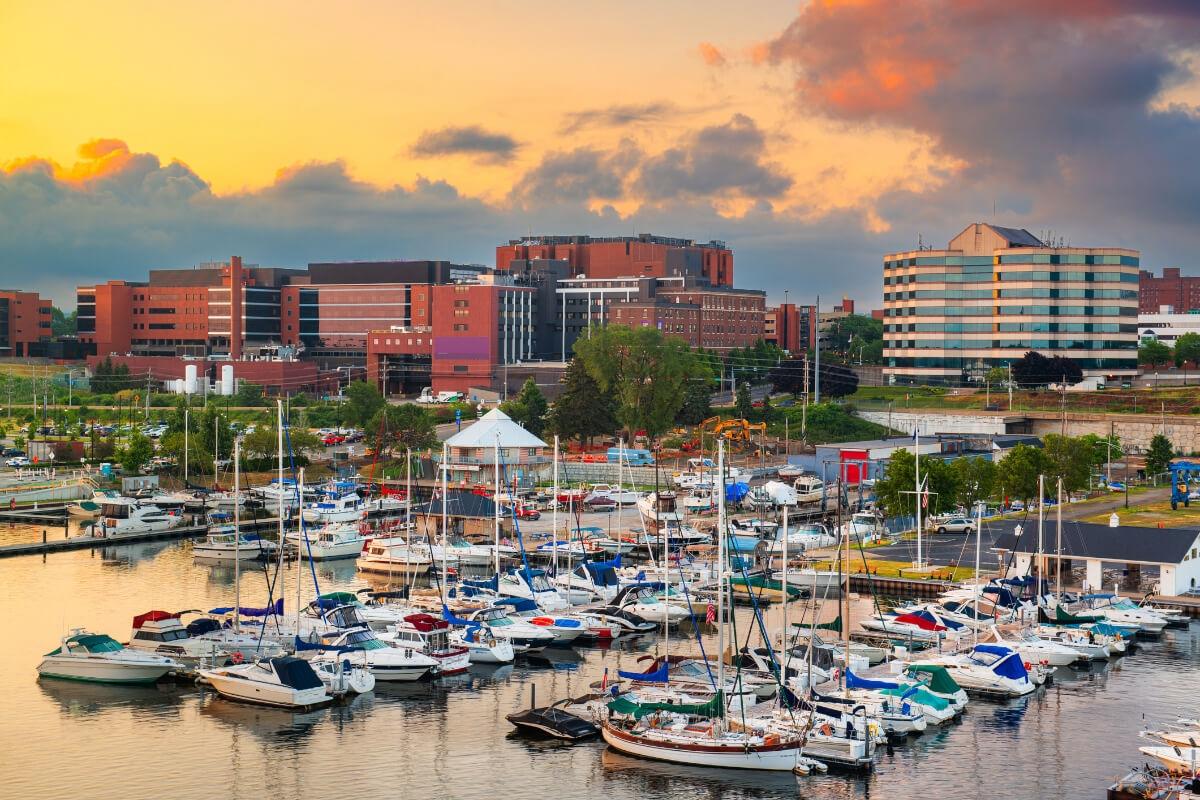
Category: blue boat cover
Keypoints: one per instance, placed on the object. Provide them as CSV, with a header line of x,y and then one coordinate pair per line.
x,y
518,603
1003,596
1007,667
1098,596
928,617
602,574
492,583
855,682
657,676
448,615
1105,629
276,608
734,492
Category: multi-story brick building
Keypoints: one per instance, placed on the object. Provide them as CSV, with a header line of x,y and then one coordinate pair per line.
x,y
791,327
1180,293
24,324
641,256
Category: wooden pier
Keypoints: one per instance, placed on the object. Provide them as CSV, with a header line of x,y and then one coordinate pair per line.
x,y
84,542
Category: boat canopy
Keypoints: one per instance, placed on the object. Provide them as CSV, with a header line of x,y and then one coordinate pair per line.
x,y
1064,617
735,492
296,673
918,693
153,616
1104,629
659,675
275,608
94,643
855,682
1008,663
624,705
602,572
426,622
492,583
202,625
928,615
925,623
518,603
935,676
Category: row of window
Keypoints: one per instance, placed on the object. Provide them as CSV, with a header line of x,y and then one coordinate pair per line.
x,y
1025,258
962,363
1011,327
989,310
1031,293
1009,275
1020,344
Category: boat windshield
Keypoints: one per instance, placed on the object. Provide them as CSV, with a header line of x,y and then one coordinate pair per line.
x,y
94,643
540,584
364,639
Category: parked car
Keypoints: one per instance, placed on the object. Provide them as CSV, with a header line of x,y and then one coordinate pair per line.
x,y
332,439
9,452
528,512
956,525
19,461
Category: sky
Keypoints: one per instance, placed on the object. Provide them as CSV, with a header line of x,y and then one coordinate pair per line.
x,y
812,138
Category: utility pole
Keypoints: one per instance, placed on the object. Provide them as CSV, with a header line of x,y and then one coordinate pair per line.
x,y
1064,405
817,357
1108,465
1010,386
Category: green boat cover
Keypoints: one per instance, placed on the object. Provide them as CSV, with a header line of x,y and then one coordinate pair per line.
x,y
341,598
623,705
919,696
836,625
93,643
1062,617
935,677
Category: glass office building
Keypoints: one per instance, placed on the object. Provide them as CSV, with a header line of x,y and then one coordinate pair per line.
x,y
996,293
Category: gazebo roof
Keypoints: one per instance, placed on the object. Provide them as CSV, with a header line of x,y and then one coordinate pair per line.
x,y
494,423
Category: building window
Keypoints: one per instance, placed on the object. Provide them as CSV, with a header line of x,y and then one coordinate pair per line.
x,y
460,367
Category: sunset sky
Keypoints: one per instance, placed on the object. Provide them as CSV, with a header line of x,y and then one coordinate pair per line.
x,y
813,138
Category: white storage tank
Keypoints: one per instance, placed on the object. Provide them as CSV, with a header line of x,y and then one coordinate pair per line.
x,y
227,380
189,380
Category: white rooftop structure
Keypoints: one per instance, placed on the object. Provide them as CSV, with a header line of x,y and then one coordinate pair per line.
x,y
483,433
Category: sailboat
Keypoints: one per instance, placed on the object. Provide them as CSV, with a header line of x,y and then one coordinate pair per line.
x,y
700,734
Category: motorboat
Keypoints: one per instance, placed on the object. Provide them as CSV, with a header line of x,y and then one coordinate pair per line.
x,y
124,516
700,500
937,680
285,682
344,677
619,496
896,715
343,508
90,508
820,582
789,471
384,504
628,621
892,696
763,587
226,543
524,636
531,584
566,629
596,578
800,538
1177,760
336,540
483,647
921,625
279,491
1090,646
1121,611
1032,648
387,662
394,556
201,639
988,669
95,657
642,600
432,636
866,526
811,489
552,721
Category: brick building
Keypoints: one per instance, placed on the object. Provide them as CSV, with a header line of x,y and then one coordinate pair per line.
x,y
644,255
24,324
791,327
1179,292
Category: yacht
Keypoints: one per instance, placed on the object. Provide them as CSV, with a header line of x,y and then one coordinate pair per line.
x,y
284,682
84,656
921,625
344,508
278,491
1118,610
622,497
431,636
989,669
640,598
124,516
336,540
801,538
483,646
165,634
811,489
386,661
225,543
523,636
1031,647
596,578
394,556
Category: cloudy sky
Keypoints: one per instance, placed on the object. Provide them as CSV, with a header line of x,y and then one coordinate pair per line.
x,y
812,137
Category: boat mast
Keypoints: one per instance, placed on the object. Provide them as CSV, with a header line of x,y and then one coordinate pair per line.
x,y
496,496
279,403
302,543
784,657
917,473
620,493
554,513
185,446
216,446
445,516
237,540
846,586
1058,544
720,578
1041,519
978,583
408,518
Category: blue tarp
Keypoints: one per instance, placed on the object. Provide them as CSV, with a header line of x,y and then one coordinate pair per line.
x,y
855,682
734,492
657,676
277,608
492,583
518,603
448,615
1009,665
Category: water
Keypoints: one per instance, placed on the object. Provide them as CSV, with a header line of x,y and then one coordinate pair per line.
x,y
450,739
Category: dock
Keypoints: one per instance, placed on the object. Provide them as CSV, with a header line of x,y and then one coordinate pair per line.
x,y
49,545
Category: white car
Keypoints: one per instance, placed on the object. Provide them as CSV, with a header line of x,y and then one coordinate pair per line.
x,y
18,461
955,525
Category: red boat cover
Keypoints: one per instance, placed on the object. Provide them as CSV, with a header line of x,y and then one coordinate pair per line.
x,y
426,622
920,622
152,616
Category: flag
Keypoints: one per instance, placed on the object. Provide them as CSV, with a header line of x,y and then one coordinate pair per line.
x,y
710,616
604,681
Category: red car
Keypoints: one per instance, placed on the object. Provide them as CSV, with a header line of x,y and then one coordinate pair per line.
x,y
528,513
332,439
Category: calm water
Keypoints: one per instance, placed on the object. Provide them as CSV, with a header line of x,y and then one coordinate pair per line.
x,y
450,739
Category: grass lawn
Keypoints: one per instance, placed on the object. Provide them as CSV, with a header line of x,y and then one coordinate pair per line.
x,y
1152,514
901,569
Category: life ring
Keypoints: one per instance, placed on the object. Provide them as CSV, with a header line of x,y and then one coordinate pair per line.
x,y
827,729
1028,666
237,657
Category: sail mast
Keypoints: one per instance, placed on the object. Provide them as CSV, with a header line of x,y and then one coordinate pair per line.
x,y
720,576
554,511
445,516
237,541
1058,544
496,498
301,544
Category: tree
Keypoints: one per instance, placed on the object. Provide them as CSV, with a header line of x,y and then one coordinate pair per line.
x,y
400,427
1187,349
1102,448
643,370
854,329
896,490
108,378
63,324
529,408
1153,353
742,403
249,394
363,401
697,403
137,453
212,430
836,380
1017,473
263,442
1034,369
1069,458
996,376
582,410
1159,456
975,479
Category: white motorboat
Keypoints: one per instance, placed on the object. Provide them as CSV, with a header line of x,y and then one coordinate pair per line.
x,y
595,578
203,638
789,471
484,647
524,636
821,582
988,669
394,557
344,677
123,516
531,584
344,508
221,500
84,656
700,500
641,599
336,540
278,491
1118,610
800,538
288,682
1032,648
920,625
384,504
1178,760
811,489
224,543
387,662
90,508
866,526
432,637
1089,645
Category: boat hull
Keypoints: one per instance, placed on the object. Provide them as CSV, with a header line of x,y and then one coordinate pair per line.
x,y
94,670
266,694
781,757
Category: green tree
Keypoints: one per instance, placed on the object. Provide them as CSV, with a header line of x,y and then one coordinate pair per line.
x,y
1103,448
529,408
137,453
213,432
856,329
1069,458
1187,349
1153,353
1017,473
264,442
644,371
742,402
582,410
996,376
108,378
403,426
697,403
63,324
896,490
975,479
249,394
363,401
1159,455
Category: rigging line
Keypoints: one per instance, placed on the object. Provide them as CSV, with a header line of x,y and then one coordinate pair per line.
x,y
695,627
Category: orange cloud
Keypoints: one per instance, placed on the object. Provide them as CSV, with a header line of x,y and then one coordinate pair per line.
x,y
712,54
98,159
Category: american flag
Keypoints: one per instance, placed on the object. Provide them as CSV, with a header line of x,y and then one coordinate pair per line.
x,y
711,614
